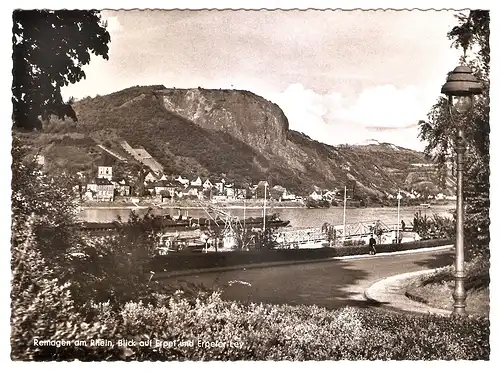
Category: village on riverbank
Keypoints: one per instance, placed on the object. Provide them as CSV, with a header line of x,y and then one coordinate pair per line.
x,y
162,190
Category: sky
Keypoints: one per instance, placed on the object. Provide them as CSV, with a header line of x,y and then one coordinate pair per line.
x,y
339,76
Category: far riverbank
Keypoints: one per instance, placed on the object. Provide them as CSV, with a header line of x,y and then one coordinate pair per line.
x,y
236,204
250,204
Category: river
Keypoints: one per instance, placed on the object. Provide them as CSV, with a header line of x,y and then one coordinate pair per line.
x,y
298,217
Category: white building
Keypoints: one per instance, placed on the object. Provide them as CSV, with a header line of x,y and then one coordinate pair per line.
x,y
197,182
315,195
105,172
92,187
184,181
150,177
207,184
229,191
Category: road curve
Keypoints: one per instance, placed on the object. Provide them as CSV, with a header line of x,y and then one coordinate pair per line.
x,y
331,284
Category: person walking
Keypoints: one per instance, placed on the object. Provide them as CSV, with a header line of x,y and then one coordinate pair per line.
x,y
372,243
403,225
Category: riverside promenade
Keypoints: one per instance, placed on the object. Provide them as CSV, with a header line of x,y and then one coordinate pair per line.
x,y
361,281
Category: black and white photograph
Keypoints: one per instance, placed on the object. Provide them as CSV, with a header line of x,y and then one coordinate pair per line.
x,y
249,184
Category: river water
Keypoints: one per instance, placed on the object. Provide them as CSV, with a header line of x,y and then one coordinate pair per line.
x,y
298,217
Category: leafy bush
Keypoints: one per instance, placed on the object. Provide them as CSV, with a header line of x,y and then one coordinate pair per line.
x,y
42,304
353,243
277,332
476,271
435,227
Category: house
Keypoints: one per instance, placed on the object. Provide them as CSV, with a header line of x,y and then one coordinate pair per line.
x,y
288,196
122,189
150,177
220,185
277,192
229,191
105,190
329,195
240,192
105,172
207,184
174,186
184,181
197,182
92,186
159,187
316,195
281,193
164,177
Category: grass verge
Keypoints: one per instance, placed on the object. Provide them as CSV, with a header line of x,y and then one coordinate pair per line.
x,y
436,289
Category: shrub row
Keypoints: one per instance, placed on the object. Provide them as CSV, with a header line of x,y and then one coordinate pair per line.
x,y
178,328
477,272
179,261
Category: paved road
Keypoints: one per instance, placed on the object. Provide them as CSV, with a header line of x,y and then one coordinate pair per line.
x,y
330,284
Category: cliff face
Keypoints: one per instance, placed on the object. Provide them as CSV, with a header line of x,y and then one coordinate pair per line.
x,y
246,116
294,158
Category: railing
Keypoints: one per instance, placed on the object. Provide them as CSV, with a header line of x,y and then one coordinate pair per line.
x,y
335,234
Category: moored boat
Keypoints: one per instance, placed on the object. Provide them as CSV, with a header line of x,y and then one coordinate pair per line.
x,y
174,224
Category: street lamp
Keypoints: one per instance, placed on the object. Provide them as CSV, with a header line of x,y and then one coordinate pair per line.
x,y
460,88
399,197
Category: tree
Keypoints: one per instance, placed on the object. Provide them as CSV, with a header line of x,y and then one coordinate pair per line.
x,y
50,199
471,33
49,49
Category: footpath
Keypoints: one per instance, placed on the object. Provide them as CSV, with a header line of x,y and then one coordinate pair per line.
x,y
390,293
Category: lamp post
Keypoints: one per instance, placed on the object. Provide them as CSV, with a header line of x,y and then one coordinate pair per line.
x,y
264,211
397,226
460,88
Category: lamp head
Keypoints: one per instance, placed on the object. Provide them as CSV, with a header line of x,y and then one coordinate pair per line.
x,y
460,87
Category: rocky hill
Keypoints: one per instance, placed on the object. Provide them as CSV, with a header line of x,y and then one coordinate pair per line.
x,y
236,133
